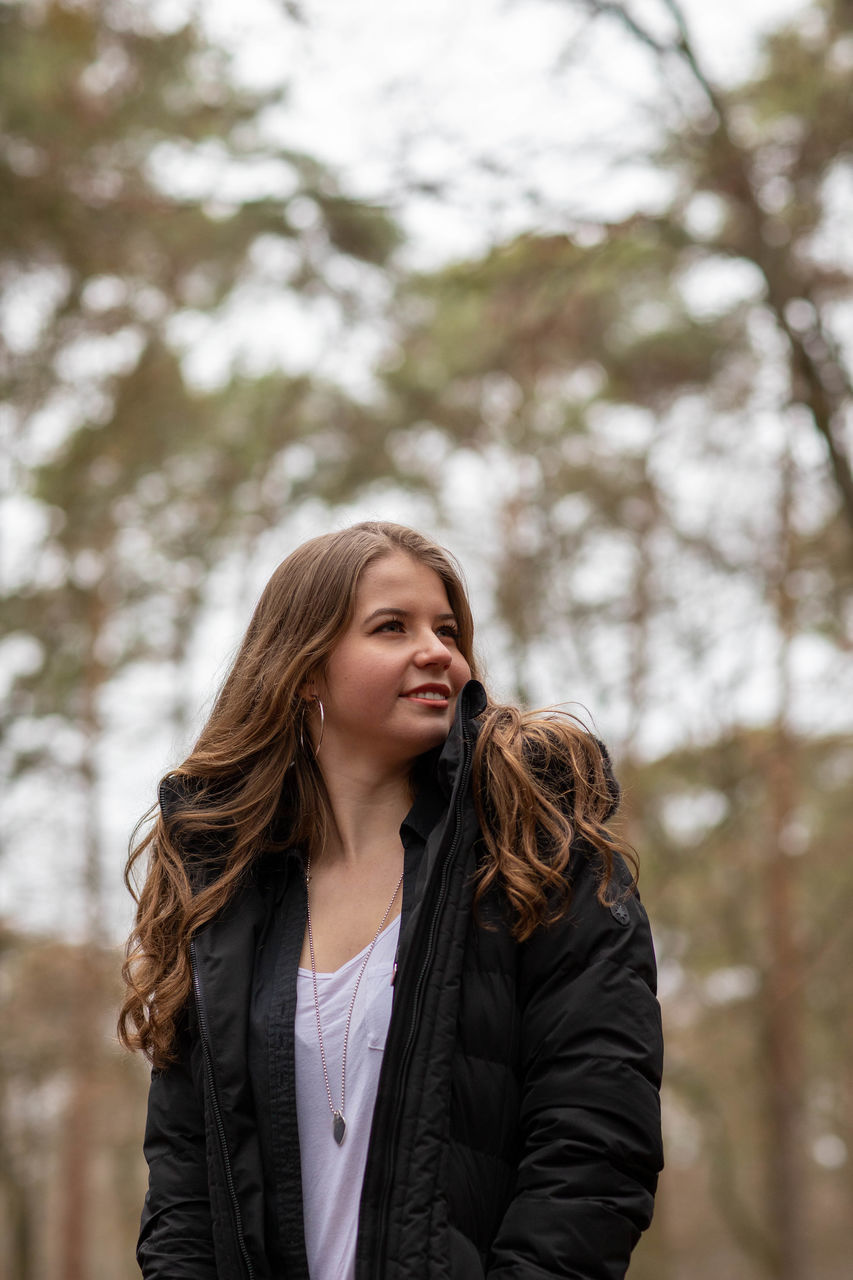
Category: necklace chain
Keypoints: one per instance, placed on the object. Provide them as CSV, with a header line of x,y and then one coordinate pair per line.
x,y
339,1124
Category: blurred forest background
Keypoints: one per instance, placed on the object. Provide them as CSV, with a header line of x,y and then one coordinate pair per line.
x,y
632,421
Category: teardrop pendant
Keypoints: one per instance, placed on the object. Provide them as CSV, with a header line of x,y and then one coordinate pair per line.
x,y
339,1127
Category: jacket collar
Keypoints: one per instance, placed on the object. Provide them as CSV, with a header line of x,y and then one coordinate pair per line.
x,y
435,771
470,704
452,772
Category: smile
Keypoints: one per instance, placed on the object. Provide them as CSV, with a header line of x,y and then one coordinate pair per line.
x,y
427,695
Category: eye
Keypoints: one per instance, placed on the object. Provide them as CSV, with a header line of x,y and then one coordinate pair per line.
x,y
392,624
449,629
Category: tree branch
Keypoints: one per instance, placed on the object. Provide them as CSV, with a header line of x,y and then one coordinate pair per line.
x,y
609,9
822,386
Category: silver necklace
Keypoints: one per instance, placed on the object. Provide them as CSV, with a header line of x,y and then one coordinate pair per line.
x,y
339,1124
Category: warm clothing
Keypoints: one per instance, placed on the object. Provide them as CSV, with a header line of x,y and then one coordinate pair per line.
x,y
516,1134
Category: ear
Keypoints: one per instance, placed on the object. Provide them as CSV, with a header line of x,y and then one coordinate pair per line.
x,y
308,690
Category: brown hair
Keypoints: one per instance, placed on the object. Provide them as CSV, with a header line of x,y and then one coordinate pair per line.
x,y
537,780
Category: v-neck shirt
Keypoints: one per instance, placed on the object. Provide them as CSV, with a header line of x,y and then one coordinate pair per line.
x,y
332,1175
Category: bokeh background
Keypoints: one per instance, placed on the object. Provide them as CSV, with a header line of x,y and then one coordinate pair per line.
x,y
567,285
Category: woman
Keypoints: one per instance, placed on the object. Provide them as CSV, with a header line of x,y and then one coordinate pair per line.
x,y
388,963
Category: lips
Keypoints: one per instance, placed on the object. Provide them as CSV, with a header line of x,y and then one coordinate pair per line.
x,y
429,693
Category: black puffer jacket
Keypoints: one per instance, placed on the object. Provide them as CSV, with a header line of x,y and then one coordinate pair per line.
x,y
516,1133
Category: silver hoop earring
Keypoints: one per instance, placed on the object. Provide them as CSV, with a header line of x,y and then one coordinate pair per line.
x,y
322,725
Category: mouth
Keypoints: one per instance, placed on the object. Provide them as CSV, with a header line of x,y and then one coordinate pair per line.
x,y
437,694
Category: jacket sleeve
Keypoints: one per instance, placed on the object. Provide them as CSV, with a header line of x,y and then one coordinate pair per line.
x,y
175,1238
590,1142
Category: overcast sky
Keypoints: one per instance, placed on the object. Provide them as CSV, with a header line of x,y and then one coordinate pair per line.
x,y
390,87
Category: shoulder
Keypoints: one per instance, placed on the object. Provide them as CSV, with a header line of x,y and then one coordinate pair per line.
x,y
549,749
604,918
190,822
179,793
611,938
195,815
565,758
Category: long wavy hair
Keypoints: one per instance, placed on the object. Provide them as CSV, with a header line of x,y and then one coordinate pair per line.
x,y
541,781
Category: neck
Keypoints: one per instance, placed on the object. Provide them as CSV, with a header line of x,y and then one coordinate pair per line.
x,y
367,806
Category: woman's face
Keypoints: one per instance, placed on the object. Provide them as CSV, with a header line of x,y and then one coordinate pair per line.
x,y
390,686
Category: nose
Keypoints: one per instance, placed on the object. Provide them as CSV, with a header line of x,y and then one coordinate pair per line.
x,y
433,652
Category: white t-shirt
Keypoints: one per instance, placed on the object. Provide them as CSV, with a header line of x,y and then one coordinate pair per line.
x,y
332,1175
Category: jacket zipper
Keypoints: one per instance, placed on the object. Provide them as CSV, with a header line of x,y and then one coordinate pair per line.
x,y
419,988
217,1113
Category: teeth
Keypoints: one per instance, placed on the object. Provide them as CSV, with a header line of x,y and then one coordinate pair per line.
x,y
431,694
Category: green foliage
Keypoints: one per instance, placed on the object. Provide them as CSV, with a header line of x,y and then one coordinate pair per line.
x,y
101,115
543,306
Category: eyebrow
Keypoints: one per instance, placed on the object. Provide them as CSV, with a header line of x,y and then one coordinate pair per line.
x,y
405,613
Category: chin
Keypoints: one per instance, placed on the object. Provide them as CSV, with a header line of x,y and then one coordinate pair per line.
x,y
435,738
429,737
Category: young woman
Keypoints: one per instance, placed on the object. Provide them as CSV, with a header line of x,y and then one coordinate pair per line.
x,y
388,962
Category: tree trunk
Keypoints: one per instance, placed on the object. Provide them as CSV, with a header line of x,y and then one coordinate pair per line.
x,y
784,1028
78,1151
18,1253
784,996
76,1165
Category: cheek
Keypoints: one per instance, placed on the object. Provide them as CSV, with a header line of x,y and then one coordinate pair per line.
x,y
461,670
363,683
342,682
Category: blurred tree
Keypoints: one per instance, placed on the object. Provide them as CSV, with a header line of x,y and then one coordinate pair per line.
x,y
634,471
772,155
40,985
135,476
658,477
574,363
716,880
138,195
761,173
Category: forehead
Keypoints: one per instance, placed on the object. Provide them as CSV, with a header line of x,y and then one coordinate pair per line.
x,y
398,580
